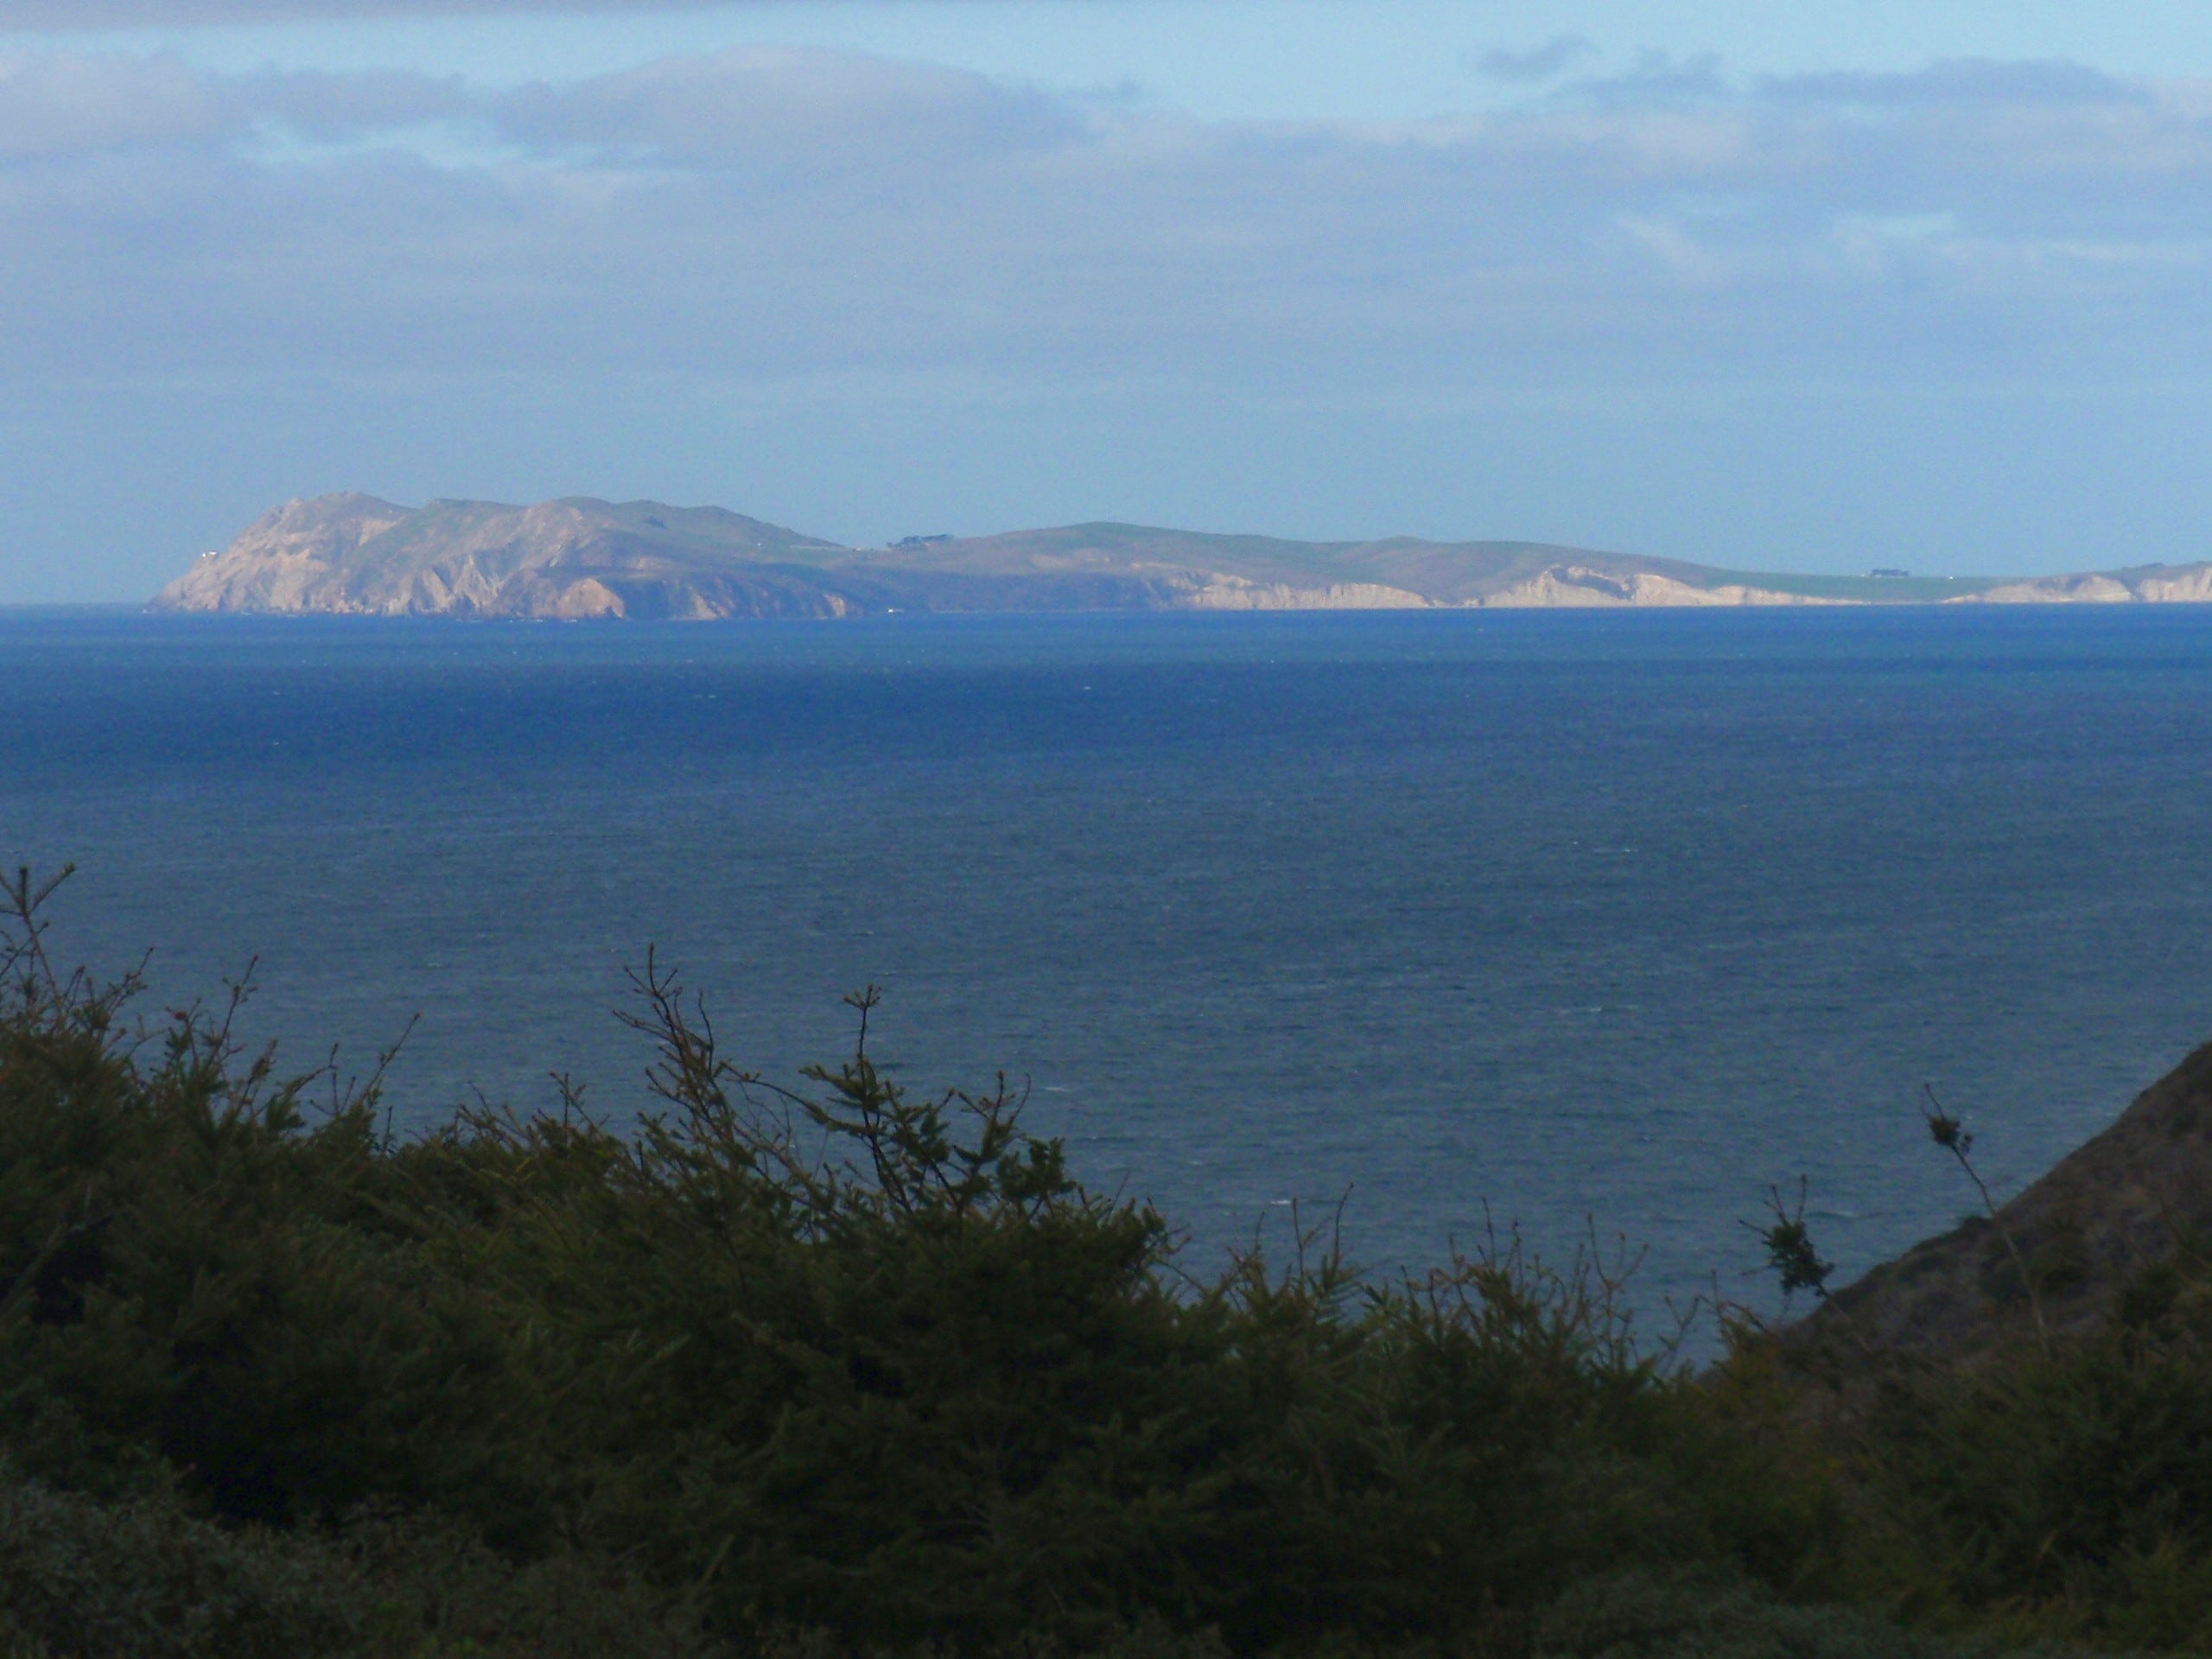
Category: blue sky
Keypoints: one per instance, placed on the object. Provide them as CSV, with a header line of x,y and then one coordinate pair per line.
x,y
1718,281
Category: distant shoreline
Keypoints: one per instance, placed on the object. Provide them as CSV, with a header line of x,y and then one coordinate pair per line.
x,y
120,610
581,558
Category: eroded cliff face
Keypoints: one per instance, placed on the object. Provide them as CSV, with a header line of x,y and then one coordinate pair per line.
x,y
1580,588
286,560
2178,584
1227,593
355,555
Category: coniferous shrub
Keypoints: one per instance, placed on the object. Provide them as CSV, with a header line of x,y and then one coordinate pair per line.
x,y
2068,1487
839,1369
193,1276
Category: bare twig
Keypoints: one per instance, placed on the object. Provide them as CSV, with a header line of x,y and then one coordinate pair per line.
x,y
1947,1132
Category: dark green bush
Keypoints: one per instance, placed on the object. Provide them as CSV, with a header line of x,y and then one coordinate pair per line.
x,y
142,1576
2069,1488
846,1361
1709,1615
194,1278
920,1382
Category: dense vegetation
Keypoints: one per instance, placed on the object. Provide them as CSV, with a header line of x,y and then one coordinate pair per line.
x,y
839,1368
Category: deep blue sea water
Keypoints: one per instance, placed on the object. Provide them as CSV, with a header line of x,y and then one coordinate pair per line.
x,y
1584,917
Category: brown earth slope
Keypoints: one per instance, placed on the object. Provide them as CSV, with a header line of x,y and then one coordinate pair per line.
x,y
2122,1202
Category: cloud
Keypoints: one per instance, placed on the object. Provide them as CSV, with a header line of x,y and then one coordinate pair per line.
x,y
1546,62
799,104
316,105
765,214
57,106
1657,79
77,16
1962,83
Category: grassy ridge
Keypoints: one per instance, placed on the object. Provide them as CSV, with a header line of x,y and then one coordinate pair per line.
x,y
834,1367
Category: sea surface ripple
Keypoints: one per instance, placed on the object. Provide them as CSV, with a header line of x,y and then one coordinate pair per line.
x,y
1585,922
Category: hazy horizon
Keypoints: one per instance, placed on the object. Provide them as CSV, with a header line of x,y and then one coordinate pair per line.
x,y
1688,280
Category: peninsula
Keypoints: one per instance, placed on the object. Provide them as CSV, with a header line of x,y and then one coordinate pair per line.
x,y
579,558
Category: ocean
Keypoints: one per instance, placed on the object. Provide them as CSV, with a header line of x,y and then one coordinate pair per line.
x,y
1595,925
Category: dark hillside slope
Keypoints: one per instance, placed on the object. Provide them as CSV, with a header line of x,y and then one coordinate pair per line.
x,y
2105,1217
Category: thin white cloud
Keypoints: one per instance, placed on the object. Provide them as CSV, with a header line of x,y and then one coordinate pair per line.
x,y
74,16
366,104
781,212
1657,79
796,103
53,106
1537,63
1960,83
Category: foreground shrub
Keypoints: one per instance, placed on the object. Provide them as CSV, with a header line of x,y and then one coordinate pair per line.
x,y
144,1578
2066,1488
918,1379
842,1360
192,1278
1717,1617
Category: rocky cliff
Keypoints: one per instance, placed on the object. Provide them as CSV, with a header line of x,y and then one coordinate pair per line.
x,y
2153,584
355,555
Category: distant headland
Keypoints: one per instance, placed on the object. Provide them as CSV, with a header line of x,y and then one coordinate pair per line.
x,y
578,557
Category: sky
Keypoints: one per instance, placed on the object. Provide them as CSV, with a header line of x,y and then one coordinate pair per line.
x,y
1775,287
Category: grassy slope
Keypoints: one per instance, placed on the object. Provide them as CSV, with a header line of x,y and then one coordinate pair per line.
x,y
708,534
1459,570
